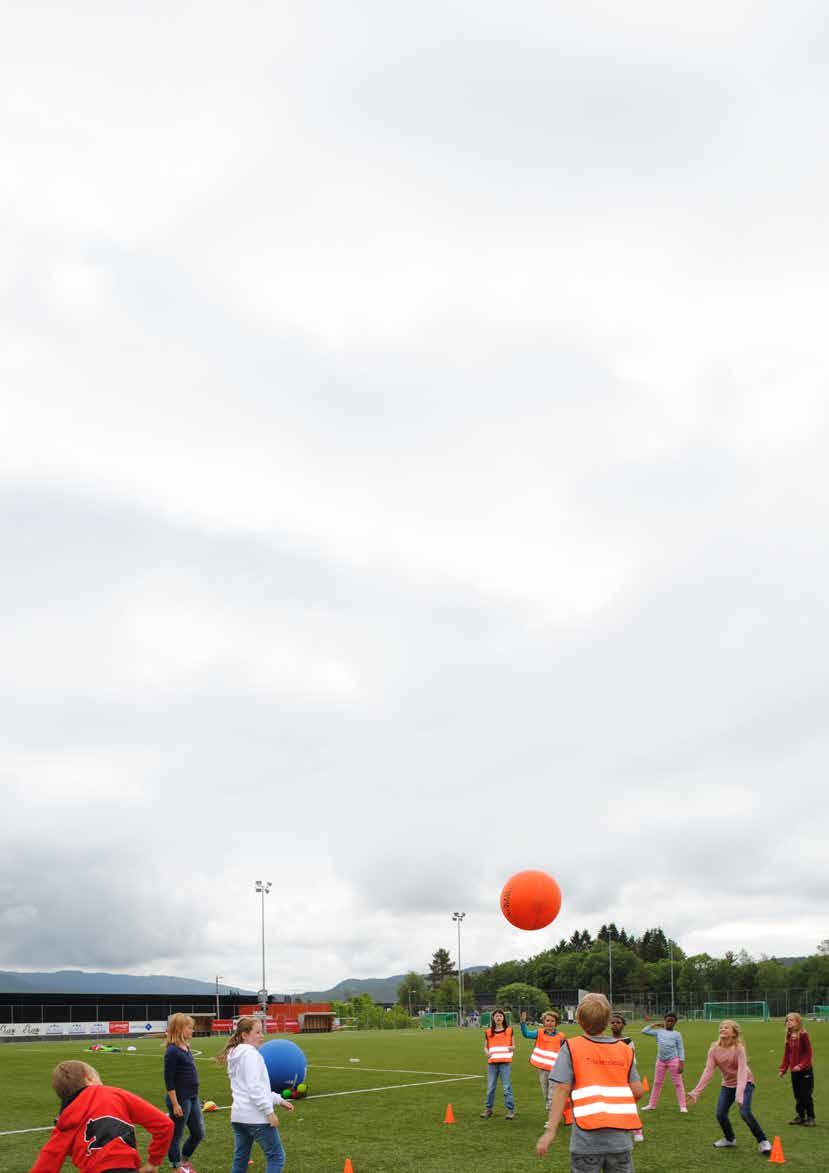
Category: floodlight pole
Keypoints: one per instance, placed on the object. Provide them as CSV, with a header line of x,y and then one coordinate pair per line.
x,y
610,965
218,979
671,955
458,917
263,888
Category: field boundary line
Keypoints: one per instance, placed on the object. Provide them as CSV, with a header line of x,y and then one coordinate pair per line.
x,y
390,1070
20,1131
360,1091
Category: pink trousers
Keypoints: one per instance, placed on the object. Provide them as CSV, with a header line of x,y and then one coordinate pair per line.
x,y
672,1068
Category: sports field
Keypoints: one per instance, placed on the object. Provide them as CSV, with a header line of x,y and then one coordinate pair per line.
x,y
385,1112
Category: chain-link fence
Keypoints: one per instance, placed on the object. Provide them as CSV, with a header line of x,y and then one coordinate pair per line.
x,y
643,1004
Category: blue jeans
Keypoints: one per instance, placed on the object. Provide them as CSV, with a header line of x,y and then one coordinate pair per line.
x,y
727,1097
191,1118
494,1072
268,1140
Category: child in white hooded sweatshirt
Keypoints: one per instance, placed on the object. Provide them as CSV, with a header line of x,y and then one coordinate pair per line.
x,y
252,1114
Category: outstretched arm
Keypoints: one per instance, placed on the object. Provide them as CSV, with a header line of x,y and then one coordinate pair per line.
x,y
704,1079
54,1152
557,1102
158,1124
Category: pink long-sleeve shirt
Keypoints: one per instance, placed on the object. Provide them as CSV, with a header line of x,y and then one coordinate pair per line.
x,y
732,1063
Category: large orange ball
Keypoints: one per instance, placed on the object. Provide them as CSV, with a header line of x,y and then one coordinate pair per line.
x,y
530,900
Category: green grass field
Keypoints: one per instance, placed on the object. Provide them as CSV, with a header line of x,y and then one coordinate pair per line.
x,y
386,1112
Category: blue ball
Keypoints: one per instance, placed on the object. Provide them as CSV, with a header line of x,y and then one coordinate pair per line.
x,y
285,1062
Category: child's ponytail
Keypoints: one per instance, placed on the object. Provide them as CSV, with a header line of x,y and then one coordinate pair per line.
x,y
244,1026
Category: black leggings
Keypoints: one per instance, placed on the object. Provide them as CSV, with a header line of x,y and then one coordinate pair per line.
x,y
803,1084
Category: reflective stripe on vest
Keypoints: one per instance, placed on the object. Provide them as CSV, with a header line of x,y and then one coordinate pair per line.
x,y
601,1093
546,1051
500,1051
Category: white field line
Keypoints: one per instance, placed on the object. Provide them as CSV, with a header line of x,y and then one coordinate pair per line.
x,y
320,1096
20,1131
392,1087
391,1070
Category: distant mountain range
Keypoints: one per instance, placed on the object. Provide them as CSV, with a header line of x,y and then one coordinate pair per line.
x,y
75,981
378,989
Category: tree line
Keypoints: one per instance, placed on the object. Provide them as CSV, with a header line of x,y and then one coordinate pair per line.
x,y
640,963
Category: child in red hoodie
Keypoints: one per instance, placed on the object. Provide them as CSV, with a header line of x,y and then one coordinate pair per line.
x,y
95,1126
797,1058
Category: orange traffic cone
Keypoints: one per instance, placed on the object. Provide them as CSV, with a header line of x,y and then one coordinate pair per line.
x,y
348,1167
646,1087
776,1155
449,1118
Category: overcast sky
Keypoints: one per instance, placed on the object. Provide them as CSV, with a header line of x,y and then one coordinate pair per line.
x,y
414,432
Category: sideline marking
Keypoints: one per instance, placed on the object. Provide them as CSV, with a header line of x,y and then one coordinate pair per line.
x,y
390,1070
392,1087
319,1096
18,1131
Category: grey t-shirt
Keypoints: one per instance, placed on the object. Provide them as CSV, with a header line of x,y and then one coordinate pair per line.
x,y
593,1140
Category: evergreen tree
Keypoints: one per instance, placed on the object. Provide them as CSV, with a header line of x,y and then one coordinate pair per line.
x,y
440,967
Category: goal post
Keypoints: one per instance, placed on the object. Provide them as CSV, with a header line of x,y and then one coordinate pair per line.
x,y
438,1020
720,1010
820,1012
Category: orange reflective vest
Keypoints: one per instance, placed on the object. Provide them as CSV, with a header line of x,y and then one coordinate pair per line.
x,y
499,1046
601,1092
546,1050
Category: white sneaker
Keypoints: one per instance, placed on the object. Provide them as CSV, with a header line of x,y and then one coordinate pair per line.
x,y
722,1143
638,1138
683,1109
764,1147
647,1108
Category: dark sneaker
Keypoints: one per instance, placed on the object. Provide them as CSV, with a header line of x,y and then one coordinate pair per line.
x,y
810,1123
797,1120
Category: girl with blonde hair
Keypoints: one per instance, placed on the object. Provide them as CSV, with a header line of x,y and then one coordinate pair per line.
x,y
797,1058
728,1054
181,1081
252,1113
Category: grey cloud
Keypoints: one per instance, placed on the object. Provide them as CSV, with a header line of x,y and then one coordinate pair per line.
x,y
562,563
486,715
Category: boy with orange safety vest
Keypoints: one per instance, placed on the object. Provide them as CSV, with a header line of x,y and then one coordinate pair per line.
x,y
600,1076
548,1042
